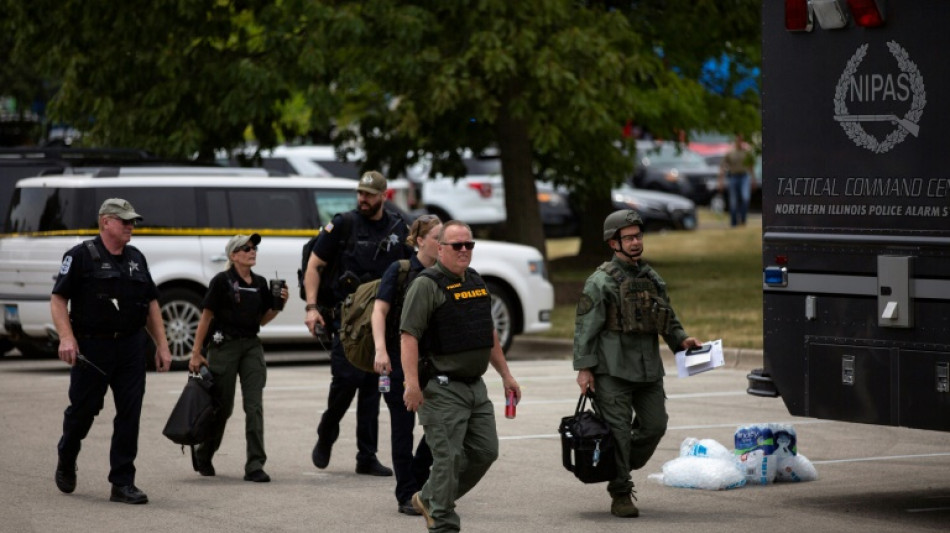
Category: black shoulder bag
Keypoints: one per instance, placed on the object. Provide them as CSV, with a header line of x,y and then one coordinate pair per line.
x,y
192,419
587,446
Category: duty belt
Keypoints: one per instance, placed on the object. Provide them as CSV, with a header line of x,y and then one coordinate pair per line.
x,y
107,335
443,379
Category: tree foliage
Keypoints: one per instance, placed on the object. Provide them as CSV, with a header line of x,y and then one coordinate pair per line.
x,y
548,83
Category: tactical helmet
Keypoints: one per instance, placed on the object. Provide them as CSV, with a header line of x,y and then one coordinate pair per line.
x,y
618,220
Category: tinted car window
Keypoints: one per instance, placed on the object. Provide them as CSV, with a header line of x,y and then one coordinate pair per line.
x,y
279,164
43,209
340,169
482,167
159,207
266,209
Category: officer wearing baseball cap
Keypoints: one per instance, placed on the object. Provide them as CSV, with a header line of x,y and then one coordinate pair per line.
x,y
103,302
238,302
621,313
355,247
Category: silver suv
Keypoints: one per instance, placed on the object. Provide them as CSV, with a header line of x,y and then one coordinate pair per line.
x,y
189,216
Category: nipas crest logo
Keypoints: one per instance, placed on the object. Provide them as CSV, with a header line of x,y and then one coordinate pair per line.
x,y
887,92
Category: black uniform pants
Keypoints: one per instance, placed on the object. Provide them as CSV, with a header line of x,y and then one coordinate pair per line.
x,y
411,471
346,382
123,361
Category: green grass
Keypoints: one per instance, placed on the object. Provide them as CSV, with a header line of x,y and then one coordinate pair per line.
x,y
714,277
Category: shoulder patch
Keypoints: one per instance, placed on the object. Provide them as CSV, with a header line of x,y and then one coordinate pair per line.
x,y
584,305
64,268
329,227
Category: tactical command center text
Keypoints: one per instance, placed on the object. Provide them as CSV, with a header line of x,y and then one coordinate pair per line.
x,y
856,188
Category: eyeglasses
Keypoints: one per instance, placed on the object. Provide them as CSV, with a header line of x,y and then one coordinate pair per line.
x,y
125,222
247,248
457,246
631,238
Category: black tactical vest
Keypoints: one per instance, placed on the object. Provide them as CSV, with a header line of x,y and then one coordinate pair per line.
x,y
464,321
369,248
112,296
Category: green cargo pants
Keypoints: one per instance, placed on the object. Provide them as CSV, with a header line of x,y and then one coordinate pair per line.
x,y
233,358
636,413
459,423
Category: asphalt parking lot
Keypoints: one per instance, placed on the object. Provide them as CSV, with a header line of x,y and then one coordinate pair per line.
x,y
870,478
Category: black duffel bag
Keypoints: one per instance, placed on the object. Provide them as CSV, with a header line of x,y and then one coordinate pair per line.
x,y
587,447
193,417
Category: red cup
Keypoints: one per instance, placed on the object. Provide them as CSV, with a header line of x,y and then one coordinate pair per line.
x,y
510,403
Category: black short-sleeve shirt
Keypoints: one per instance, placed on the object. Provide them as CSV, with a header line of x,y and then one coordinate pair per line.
x,y
237,306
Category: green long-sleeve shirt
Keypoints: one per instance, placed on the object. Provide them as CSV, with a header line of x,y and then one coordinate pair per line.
x,y
630,356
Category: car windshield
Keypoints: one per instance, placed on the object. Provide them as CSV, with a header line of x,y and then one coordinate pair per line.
x,y
669,155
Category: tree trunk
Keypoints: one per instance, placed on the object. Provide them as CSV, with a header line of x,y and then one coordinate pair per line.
x,y
523,224
591,210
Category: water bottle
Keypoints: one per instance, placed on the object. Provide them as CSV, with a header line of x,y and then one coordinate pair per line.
x,y
383,382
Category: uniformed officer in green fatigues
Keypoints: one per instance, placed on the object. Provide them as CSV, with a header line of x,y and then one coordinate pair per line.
x,y
446,319
623,308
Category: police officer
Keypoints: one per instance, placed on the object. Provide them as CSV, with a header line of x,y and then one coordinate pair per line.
x,y
354,248
446,320
411,471
111,296
623,308
238,303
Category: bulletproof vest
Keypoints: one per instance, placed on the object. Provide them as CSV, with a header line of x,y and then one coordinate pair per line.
x,y
395,308
640,308
369,250
464,321
112,297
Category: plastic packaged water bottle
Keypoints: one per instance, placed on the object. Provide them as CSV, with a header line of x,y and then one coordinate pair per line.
x,y
383,383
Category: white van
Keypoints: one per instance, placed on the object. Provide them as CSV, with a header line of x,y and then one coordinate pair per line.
x,y
188,219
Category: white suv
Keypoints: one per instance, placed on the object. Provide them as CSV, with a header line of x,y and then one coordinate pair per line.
x,y
477,199
188,219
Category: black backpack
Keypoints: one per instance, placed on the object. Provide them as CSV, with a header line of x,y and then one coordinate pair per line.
x,y
325,294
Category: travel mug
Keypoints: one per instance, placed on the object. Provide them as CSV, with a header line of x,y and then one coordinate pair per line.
x,y
276,285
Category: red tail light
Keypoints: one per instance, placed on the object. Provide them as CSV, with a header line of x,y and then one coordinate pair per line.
x,y
483,188
797,15
866,13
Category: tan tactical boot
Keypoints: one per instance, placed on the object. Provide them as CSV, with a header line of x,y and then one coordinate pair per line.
x,y
622,506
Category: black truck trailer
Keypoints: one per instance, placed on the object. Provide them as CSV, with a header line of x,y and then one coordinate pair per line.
x,y
856,210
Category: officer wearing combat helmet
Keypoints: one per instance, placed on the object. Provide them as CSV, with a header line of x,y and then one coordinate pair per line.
x,y
623,308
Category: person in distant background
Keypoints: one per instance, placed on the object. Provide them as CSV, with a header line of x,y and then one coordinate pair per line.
x,y
738,166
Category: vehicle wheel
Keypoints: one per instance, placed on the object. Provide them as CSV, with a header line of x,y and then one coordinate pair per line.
x,y
180,313
501,313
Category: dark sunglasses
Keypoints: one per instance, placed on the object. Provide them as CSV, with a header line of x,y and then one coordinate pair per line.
x,y
457,246
247,248
125,222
